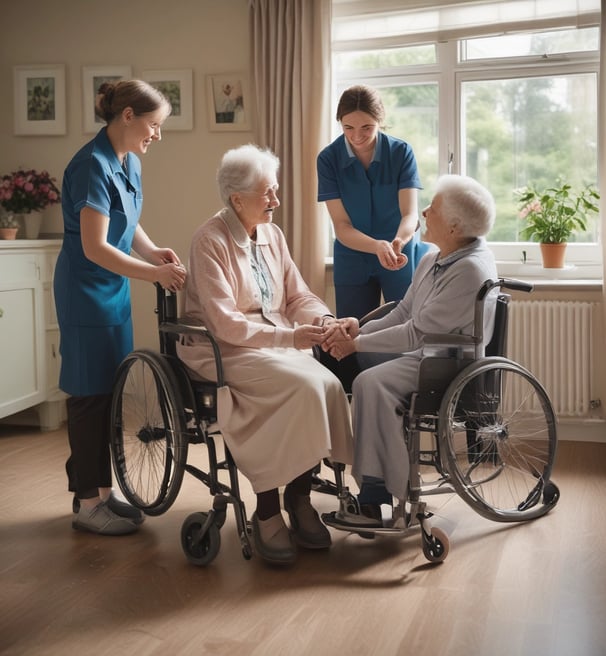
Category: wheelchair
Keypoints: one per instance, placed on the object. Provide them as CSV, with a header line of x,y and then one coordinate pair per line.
x,y
492,433
157,412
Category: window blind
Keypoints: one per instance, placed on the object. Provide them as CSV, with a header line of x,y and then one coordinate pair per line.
x,y
360,24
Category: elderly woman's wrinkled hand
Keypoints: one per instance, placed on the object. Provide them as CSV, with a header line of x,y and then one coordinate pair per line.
x,y
342,349
307,336
339,336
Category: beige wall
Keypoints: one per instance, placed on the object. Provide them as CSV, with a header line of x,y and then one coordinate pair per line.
x,y
207,36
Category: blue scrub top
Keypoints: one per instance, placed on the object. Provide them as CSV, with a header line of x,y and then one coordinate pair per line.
x,y
370,198
91,301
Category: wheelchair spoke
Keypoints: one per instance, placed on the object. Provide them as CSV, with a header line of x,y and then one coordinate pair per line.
x,y
498,431
149,436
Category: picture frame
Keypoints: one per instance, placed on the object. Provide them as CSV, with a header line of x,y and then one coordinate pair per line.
x,y
228,98
177,86
92,78
39,99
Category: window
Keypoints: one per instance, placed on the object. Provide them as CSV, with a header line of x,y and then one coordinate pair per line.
x,y
515,109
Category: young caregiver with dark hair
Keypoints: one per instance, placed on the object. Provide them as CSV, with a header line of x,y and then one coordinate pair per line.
x,y
369,181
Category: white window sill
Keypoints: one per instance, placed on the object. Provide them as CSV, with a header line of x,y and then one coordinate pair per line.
x,y
585,276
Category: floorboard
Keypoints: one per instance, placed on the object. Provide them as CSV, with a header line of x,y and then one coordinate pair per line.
x,y
505,590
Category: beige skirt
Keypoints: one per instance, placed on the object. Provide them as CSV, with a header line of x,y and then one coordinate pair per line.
x,y
280,412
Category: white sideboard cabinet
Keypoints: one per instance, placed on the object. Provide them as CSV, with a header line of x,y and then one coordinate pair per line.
x,y
29,334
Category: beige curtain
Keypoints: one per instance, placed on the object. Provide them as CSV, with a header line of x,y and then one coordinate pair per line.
x,y
291,88
602,147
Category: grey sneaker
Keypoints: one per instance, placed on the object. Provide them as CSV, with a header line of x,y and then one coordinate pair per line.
x,y
121,508
124,509
103,521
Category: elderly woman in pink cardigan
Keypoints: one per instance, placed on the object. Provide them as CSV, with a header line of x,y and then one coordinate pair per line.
x,y
281,411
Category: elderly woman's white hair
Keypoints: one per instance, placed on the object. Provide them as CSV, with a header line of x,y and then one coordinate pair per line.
x,y
242,169
467,204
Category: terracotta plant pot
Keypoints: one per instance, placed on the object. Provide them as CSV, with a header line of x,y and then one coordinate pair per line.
x,y
553,255
8,233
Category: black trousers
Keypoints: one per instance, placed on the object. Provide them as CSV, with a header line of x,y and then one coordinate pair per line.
x,y
89,464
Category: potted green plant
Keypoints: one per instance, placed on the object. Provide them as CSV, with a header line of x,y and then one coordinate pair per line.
x,y
553,214
9,227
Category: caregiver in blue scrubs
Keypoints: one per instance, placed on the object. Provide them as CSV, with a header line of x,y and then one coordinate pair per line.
x,y
369,181
101,200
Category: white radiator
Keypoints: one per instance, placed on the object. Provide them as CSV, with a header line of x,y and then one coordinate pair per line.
x,y
553,339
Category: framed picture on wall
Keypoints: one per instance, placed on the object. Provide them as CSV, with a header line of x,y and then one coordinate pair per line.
x,y
228,102
92,78
39,99
177,87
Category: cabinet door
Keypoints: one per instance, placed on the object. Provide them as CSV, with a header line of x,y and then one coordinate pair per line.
x,y
23,368
53,365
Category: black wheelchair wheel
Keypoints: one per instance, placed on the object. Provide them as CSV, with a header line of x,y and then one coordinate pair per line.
x,y
497,432
200,549
148,434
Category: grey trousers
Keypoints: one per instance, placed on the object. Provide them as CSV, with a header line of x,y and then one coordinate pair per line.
x,y
379,447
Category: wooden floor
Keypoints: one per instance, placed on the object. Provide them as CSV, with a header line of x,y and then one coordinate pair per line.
x,y
535,589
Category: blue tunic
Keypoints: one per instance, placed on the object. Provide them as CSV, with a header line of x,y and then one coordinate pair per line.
x,y
93,304
370,198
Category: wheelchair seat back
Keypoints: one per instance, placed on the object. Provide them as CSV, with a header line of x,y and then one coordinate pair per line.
x,y
436,372
200,394
167,311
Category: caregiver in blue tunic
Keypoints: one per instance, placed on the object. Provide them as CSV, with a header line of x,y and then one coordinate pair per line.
x,y
369,181
101,201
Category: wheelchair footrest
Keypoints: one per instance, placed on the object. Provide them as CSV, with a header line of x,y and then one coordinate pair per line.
x,y
366,526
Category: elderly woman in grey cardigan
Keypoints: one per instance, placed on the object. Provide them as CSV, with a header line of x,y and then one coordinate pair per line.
x,y
281,411
440,300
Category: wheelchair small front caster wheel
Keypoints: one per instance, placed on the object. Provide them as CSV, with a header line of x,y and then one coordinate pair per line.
x,y
350,504
200,550
435,545
551,494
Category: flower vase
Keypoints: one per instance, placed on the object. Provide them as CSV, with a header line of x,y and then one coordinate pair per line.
x,y
553,255
31,224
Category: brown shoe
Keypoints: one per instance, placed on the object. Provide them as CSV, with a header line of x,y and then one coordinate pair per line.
x,y
272,539
308,530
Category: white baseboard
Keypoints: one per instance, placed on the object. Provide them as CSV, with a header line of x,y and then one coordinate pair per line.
x,y
582,430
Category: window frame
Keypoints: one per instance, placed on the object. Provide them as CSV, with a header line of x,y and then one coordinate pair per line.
x,y
450,72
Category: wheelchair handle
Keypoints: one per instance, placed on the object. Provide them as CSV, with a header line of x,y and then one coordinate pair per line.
x,y
503,283
478,321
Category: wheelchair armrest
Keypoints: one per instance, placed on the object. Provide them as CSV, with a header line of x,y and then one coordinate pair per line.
x,y
454,339
449,345
378,313
191,329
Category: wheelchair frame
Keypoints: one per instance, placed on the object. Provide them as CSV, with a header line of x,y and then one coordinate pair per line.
x,y
158,410
493,431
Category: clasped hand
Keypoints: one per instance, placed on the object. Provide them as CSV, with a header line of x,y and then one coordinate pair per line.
x,y
335,336
339,335
170,272
390,254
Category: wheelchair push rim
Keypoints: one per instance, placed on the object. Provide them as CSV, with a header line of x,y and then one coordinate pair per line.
x,y
497,431
148,435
